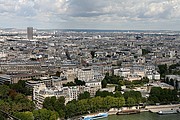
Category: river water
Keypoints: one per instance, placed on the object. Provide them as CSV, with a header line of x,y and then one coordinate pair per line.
x,y
144,116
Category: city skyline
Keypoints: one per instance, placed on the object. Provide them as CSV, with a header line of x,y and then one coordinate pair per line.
x,y
94,14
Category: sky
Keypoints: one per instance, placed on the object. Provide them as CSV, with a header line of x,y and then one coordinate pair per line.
x,y
91,14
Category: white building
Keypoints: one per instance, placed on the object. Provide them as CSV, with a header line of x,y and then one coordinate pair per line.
x,y
73,92
133,77
98,76
85,74
156,76
94,84
2,54
153,75
40,92
122,72
70,74
138,70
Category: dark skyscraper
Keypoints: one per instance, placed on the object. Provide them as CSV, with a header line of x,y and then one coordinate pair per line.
x,y
30,33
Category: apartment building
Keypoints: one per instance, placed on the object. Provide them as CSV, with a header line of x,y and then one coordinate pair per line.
x,y
85,74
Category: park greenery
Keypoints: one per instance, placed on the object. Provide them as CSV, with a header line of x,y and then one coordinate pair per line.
x,y
118,81
42,114
102,101
163,70
24,115
172,69
21,87
105,100
163,96
13,102
2,117
84,95
18,105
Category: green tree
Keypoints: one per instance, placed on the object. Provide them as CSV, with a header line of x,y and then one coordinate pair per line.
x,y
79,82
24,115
171,82
172,67
117,94
4,90
21,87
61,113
133,94
145,80
44,114
176,85
23,103
6,107
69,84
71,110
145,51
82,106
118,88
159,95
153,99
120,102
167,80
84,95
53,101
130,102
92,54
58,73
99,102
53,104
109,102
104,83
163,70
59,106
2,117
121,82
103,93
60,103
54,115
47,103
16,107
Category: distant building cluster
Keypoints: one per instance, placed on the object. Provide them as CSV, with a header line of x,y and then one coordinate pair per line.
x,y
38,55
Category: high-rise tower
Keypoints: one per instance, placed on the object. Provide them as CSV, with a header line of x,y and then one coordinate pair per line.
x,y
30,33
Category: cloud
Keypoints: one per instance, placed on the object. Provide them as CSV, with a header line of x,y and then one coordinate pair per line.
x,y
105,11
122,9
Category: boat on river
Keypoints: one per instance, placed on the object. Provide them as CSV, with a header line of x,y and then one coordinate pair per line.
x,y
164,112
94,116
127,112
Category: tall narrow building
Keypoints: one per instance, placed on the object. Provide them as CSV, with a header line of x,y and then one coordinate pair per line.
x,y
30,33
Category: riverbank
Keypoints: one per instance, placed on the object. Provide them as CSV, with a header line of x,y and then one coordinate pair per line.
x,y
152,108
157,108
143,116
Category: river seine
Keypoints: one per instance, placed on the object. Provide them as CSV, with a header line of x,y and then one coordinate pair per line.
x,y
144,116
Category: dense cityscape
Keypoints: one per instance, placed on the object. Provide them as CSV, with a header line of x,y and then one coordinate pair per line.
x,y
60,74
89,59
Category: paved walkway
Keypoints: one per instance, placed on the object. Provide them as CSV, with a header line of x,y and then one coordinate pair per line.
x,y
156,108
